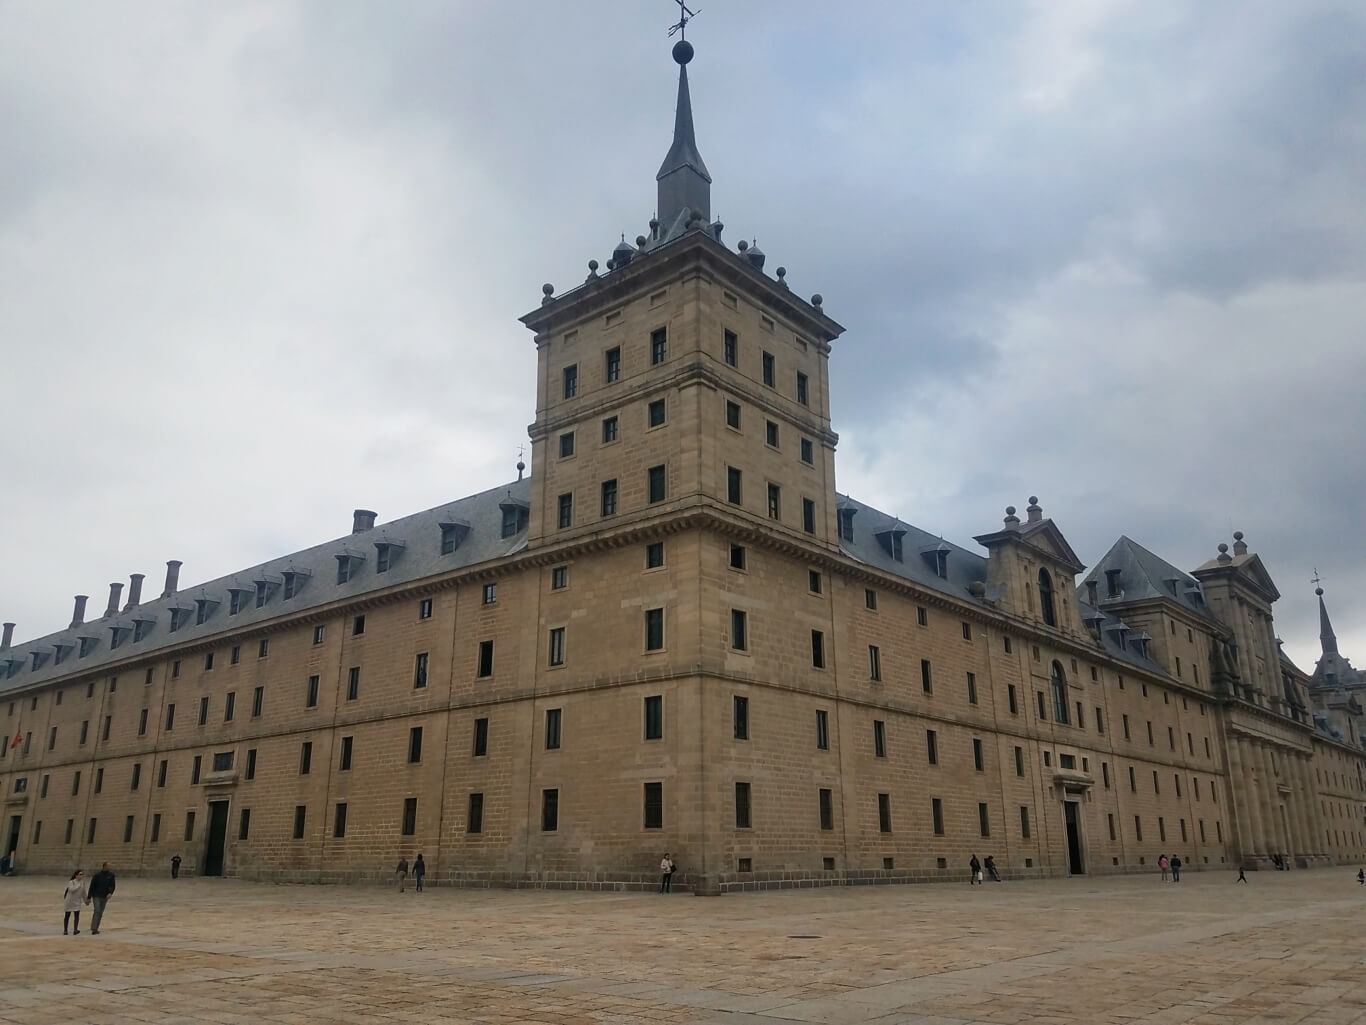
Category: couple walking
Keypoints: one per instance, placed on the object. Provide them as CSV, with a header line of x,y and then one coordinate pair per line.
x,y
1173,865
75,895
419,873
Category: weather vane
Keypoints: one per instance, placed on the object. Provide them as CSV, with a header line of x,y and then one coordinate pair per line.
x,y
1315,578
684,16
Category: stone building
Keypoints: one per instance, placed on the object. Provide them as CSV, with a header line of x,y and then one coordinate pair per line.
x,y
676,634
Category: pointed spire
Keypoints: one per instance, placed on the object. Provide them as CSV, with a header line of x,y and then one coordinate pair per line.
x,y
684,182
1327,640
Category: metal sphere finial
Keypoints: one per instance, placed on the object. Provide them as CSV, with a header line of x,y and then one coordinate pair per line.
x,y
683,51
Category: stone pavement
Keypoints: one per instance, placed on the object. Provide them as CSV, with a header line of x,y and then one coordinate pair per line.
x,y
1286,948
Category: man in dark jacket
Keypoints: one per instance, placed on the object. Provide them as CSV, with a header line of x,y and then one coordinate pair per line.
x,y
1176,869
101,889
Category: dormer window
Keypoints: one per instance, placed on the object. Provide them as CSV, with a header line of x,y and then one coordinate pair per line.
x,y
203,610
39,657
12,666
239,598
118,634
59,653
937,558
386,551
1112,588
846,518
294,582
348,561
180,615
515,517
265,587
452,533
1046,598
891,542
142,627
87,645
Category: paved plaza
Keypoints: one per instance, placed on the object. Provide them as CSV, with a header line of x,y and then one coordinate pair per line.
x,y
1286,948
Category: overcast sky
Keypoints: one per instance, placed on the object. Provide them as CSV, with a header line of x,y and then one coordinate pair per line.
x,y
261,263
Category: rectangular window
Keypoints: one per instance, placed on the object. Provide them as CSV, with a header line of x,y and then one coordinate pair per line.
x,y
305,758
420,671
1133,782
69,824
922,618
655,413
737,557
657,483
357,626
161,773
1043,706
654,717
972,688
142,723
654,805
485,668
733,414
559,578
99,779
742,818
258,701
208,661
884,813
1125,721
770,433
827,808
319,632
967,631
659,345
550,810
571,381
189,826
654,555
983,819
870,599
1161,828
937,815
769,374
556,653
235,656
926,681
977,760
347,744
481,737
137,776
552,729
1013,699
263,649
879,739
474,818
733,485
818,649
229,706
1105,774
654,629
490,594
203,710
353,683
775,502
244,824
802,395
874,662
808,515
609,497
822,730
222,761
128,829
300,813
424,609
409,827
739,630
609,430
1100,720
808,452
311,697
729,344
740,717
175,670
1019,761
932,747
566,510
109,719
1024,822
1150,732
339,820
614,364
250,772
1110,821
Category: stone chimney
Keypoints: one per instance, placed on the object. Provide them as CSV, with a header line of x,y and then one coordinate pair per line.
x,y
113,608
1091,598
78,612
362,520
172,577
134,591
7,637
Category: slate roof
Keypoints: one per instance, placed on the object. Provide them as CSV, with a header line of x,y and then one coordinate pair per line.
x,y
420,557
1142,574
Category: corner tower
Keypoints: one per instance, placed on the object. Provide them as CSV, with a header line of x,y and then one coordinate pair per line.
x,y
681,377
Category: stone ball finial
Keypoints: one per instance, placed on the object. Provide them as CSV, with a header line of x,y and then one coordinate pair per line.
x,y
1010,510
781,272
683,51
1223,548
520,466
1033,499
592,265
977,589
817,299
547,289
742,245
1319,591
1237,535
640,240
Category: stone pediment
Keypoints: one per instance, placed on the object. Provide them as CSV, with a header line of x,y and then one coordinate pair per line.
x,y
1047,539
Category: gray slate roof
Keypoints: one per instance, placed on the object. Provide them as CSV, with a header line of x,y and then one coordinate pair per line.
x,y
420,557
1142,574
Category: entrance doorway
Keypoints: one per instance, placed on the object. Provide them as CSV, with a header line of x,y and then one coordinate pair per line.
x,y
1075,864
12,843
218,835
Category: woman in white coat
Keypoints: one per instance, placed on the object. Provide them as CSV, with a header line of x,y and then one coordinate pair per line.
x,y
72,900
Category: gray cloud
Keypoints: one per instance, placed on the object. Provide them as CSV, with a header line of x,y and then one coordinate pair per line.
x,y
262,264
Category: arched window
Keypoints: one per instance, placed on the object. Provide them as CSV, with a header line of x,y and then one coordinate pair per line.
x,y
1059,694
1046,598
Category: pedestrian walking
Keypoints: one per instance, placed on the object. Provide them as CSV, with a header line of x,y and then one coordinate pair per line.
x,y
419,873
975,871
990,866
666,873
401,872
175,867
1164,865
1176,869
101,889
1361,875
72,900
1242,877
